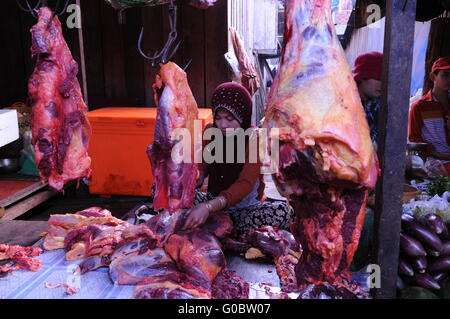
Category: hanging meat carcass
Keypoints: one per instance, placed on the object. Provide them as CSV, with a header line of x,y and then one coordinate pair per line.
x,y
326,158
60,127
248,75
174,178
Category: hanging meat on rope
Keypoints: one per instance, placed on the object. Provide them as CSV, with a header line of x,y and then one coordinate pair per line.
x,y
326,158
249,76
60,127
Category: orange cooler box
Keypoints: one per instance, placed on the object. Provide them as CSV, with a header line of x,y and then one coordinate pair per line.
x,y
120,137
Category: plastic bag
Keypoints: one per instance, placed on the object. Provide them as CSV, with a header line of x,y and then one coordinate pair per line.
x,y
436,205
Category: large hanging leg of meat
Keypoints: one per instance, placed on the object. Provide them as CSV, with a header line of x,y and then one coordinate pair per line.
x,y
60,126
174,179
326,158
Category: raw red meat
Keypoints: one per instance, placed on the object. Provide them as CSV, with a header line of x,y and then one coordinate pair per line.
x,y
174,285
326,157
249,76
60,225
198,254
136,260
228,285
22,257
60,126
174,178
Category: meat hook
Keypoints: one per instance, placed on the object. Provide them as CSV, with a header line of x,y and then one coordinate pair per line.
x,y
40,4
168,51
29,8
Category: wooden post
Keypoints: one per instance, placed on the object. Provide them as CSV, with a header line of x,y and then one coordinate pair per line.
x,y
393,123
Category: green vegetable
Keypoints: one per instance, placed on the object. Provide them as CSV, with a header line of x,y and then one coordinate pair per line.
x,y
439,186
417,293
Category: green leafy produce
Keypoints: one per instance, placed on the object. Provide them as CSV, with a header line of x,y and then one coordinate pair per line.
x,y
417,293
439,186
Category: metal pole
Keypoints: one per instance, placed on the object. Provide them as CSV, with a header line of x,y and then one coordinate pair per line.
x,y
82,58
393,123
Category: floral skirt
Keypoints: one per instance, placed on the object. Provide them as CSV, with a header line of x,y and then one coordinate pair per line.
x,y
278,214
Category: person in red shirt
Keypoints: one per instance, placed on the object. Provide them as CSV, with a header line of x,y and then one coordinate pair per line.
x,y
429,118
235,187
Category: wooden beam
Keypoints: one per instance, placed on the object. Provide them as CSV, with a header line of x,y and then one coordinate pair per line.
x,y
25,205
393,123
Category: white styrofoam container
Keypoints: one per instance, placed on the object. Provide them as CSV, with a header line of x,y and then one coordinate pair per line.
x,y
9,127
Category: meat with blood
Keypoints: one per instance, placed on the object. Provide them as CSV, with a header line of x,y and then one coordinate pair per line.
x,y
326,157
174,178
22,257
60,127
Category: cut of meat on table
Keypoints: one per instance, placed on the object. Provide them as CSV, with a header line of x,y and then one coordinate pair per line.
x,y
136,260
326,158
172,156
92,240
60,225
198,254
175,285
60,127
228,285
22,257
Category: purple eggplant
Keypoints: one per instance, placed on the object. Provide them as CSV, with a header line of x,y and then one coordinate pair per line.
x,y
445,249
424,235
445,235
440,276
440,265
419,264
407,220
426,281
404,268
411,247
433,222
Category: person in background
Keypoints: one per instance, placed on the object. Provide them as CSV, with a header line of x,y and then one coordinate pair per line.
x,y
367,75
429,117
234,188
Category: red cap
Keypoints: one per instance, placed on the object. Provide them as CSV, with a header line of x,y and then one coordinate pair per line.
x,y
368,66
441,64
236,99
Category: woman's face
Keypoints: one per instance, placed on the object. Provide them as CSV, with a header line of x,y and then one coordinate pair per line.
x,y
224,119
370,88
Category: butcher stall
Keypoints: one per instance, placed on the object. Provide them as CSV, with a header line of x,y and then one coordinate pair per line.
x,y
96,194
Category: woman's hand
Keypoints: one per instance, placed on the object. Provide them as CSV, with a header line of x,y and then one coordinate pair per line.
x,y
197,216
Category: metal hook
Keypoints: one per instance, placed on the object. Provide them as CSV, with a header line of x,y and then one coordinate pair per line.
x,y
40,4
187,65
32,10
168,51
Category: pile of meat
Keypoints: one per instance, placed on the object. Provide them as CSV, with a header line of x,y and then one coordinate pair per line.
x,y
162,260
326,158
60,127
22,257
